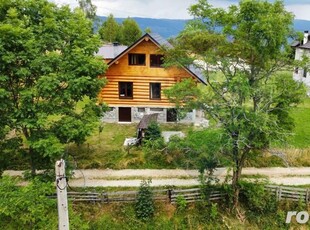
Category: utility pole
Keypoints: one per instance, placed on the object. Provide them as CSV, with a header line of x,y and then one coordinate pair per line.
x,y
62,202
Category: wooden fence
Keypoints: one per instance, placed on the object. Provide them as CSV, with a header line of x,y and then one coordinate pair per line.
x,y
190,195
289,193
194,194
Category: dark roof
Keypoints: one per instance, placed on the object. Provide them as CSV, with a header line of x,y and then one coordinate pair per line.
x,y
146,120
110,51
295,43
161,42
197,72
305,46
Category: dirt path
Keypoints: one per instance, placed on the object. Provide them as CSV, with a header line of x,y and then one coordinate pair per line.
x,y
177,177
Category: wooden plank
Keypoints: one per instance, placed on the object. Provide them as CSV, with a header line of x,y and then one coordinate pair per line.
x,y
186,190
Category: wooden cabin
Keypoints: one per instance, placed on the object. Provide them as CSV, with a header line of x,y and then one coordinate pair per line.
x,y
136,80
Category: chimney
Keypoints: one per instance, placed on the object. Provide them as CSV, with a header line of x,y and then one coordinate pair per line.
x,y
306,36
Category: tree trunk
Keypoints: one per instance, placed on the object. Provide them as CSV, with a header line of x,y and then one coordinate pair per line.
x,y
31,153
236,177
32,163
235,185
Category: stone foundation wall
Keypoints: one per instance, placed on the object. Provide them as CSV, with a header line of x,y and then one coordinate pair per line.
x,y
138,112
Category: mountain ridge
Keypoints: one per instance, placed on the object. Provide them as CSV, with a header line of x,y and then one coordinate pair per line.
x,y
172,27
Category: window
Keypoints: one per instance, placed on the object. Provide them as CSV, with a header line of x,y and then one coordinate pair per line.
x,y
305,73
136,59
172,115
125,89
296,70
156,109
156,60
155,91
141,110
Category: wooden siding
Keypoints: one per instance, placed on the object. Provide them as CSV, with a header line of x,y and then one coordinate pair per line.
x,y
141,76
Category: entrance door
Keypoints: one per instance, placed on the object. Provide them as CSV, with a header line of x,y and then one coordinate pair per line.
x,y
124,114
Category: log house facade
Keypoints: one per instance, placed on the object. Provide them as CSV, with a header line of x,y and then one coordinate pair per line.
x,y
136,81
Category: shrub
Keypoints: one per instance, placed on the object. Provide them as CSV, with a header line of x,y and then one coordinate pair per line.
x,y
153,132
144,206
181,203
257,199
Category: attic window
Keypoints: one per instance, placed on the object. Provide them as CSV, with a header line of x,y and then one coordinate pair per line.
x,y
156,60
136,59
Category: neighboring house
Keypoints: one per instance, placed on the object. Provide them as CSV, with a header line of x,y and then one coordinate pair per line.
x,y
136,80
302,48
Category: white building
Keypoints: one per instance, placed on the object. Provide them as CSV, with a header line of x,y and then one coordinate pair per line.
x,y
302,48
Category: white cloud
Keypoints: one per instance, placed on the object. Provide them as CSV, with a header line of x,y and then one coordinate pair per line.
x,y
171,9
300,11
152,9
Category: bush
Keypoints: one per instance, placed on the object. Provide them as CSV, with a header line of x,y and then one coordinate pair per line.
x,y
181,203
257,199
153,132
28,207
144,206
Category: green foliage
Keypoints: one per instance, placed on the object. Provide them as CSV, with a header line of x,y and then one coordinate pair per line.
x,y
184,95
181,203
88,8
152,132
26,207
257,199
110,30
126,33
47,66
201,147
130,31
251,102
144,207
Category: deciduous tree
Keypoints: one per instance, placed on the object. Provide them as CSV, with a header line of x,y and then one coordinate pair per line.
x,y
110,30
251,98
47,66
130,31
88,8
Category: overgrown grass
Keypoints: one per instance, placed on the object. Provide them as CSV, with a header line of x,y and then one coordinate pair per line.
x,y
105,149
193,216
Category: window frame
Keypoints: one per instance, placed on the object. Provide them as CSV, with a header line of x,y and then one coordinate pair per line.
x,y
151,92
157,65
126,89
136,54
305,72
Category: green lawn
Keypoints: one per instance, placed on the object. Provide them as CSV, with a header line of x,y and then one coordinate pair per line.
x,y
301,115
106,150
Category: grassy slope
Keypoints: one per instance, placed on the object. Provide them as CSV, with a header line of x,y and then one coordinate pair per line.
x,y
301,115
106,150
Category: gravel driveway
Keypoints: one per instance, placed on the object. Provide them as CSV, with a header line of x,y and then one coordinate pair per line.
x,y
176,177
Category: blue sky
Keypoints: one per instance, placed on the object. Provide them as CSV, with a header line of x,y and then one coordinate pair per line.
x,y
173,9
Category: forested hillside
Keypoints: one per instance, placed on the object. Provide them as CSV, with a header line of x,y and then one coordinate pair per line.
x,y
171,27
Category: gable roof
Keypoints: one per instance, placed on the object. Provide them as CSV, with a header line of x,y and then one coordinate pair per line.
x,y
161,43
146,120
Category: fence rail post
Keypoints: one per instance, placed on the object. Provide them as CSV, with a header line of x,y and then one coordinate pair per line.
x,y
169,193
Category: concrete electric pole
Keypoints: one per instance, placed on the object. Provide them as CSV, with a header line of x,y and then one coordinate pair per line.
x,y
62,201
